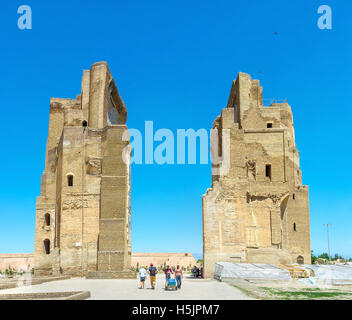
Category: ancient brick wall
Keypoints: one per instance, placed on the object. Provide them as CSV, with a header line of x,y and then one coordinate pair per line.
x,y
258,210
84,177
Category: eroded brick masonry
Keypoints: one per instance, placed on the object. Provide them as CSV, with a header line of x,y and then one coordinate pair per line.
x,y
258,210
83,217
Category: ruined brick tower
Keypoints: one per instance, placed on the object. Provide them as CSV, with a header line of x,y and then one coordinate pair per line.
x,y
83,218
257,210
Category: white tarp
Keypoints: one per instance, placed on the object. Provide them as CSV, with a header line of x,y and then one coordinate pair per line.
x,y
323,274
334,274
230,270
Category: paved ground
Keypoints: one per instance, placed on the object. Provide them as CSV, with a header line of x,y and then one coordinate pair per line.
x,y
192,289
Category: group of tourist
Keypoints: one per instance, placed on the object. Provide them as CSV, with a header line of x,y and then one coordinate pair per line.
x,y
152,271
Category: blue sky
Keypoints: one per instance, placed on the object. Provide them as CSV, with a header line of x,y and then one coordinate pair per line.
x,y
173,62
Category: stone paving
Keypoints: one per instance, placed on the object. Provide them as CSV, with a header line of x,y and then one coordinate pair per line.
x,y
192,289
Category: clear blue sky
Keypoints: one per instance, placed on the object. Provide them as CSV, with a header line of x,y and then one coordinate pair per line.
x,y
173,62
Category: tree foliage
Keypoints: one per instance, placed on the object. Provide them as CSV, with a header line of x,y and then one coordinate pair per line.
x,y
325,256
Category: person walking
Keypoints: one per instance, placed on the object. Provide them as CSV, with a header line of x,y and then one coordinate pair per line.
x,y
152,274
194,272
168,271
142,276
179,276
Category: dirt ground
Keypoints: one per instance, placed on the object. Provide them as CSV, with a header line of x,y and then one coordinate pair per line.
x,y
124,289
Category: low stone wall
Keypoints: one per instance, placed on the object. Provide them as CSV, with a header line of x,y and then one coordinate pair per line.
x,y
159,259
25,261
9,283
74,295
16,261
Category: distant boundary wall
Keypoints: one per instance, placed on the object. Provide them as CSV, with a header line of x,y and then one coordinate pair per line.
x,y
17,261
159,259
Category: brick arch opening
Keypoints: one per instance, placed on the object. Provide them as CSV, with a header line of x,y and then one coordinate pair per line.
x,y
47,246
47,219
70,180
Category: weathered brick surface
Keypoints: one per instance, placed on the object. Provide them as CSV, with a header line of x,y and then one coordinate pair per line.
x,y
89,220
248,217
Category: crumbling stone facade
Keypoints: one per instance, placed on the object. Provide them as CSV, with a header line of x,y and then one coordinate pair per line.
x,y
257,211
83,215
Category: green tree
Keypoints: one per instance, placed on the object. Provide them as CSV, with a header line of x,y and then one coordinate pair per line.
x,y
337,256
314,257
9,272
324,256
